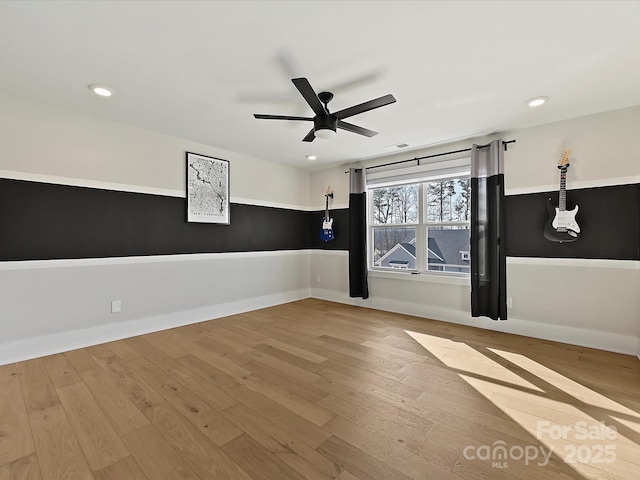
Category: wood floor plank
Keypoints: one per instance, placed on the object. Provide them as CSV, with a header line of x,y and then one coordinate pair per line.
x,y
122,350
258,461
61,372
385,450
354,383
222,363
205,390
25,468
292,371
296,425
309,391
101,444
121,412
306,409
295,350
363,465
81,360
351,404
410,436
346,475
295,453
59,452
202,455
15,436
205,418
211,374
38,391
125,469
162,341
156,458
139,392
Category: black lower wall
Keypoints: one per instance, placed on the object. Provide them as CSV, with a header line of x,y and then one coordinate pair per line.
x,y
46,221
609,220
40,221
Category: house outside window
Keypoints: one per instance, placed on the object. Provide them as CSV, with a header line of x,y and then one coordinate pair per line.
x,y
421,226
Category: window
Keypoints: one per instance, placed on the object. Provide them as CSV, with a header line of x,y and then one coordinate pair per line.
x,y
421,226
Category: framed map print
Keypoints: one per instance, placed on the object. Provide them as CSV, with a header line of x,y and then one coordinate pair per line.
x,y
207,189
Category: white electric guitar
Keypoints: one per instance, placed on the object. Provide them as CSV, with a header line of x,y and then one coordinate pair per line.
x,y
562,226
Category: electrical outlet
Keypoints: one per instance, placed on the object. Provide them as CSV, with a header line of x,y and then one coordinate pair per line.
x,y
116,306
510,302
317,278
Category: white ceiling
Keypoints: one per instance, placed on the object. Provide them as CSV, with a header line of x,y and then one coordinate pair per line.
x,y
199,70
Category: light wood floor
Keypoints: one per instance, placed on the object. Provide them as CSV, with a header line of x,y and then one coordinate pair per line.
x,y
317,390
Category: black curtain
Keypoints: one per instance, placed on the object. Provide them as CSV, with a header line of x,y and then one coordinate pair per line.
x,y
488,260
358,286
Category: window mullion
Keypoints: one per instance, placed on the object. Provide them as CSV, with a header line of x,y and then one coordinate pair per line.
x,y
421,233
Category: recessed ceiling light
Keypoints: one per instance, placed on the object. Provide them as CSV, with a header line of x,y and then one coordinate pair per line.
x,y
537,102
311,157
102,90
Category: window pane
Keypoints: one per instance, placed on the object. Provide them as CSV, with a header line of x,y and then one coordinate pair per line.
x,y
394,247
395,204
448,249
448,200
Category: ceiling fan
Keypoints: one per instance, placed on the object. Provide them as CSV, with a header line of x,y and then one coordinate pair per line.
x,y
325,123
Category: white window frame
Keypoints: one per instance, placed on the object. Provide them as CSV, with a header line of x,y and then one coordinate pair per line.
x,y
414,175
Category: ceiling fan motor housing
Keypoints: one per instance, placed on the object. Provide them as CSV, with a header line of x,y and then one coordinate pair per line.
x,y
325,122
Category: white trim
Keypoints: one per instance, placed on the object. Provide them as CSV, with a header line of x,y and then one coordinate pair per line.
x,y
122,187
337,206
602,340
337,253
62,342
265,203
82,182
603,182
576,262
447,278
90,262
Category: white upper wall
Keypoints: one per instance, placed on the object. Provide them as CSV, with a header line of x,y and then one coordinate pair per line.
x,y
604,151
40,139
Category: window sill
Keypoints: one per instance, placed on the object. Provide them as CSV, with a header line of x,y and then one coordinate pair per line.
x,y
448,279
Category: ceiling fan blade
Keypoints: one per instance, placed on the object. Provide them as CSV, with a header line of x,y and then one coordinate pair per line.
x,y
365,107
354,82
310,136
356,129
303,85
281,117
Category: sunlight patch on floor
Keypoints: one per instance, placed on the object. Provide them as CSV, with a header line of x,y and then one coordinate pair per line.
x,y
595,435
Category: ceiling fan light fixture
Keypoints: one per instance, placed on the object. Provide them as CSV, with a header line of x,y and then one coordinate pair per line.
x,y
325,133
325,126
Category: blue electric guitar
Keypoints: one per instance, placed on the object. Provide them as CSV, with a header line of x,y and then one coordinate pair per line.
x,y
562,226
326,233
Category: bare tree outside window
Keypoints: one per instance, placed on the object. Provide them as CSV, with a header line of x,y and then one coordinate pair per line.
x,y
395,204
448,200
397,219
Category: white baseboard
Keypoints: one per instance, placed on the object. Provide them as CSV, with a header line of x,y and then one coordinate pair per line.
x,y
61,342
600,340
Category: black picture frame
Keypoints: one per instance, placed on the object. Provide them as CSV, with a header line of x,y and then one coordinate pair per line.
x,y
208,199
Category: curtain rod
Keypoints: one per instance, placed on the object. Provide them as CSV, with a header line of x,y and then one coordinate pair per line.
x,y
417,159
